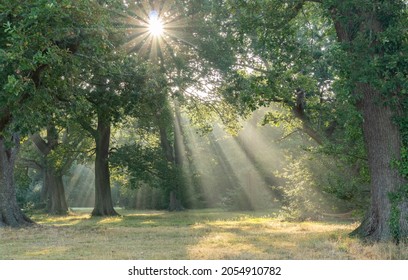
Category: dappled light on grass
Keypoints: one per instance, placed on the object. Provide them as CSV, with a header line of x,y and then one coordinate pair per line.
x,y
224,245
206,234
110,220
46,252
68,220
265,237
144,214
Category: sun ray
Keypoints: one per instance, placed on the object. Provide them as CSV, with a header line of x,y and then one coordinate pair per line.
x,y
146,45
137,43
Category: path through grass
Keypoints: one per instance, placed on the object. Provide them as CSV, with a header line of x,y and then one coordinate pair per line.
x,y
198,234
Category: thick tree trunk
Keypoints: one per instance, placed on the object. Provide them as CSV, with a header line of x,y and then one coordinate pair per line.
x,y
53,192
56,202
383,143
384,221
10,212
103,196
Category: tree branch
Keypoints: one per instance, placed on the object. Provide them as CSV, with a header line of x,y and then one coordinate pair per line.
x,y
40,144
88,127
30,163
287,135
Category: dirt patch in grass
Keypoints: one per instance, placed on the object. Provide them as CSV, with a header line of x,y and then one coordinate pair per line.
x,y
209,234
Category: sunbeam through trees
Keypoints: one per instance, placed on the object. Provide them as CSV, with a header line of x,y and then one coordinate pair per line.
x,y
293,111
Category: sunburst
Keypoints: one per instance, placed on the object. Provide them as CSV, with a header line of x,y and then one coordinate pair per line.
x,y
154,28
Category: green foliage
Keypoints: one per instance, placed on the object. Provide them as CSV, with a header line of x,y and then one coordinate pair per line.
x,y
28,188
143,164
236,199
23,181
301,198
398,199
37,42
144,167
144,197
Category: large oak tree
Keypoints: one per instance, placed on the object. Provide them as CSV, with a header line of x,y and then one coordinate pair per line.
x,y
371,59
39,41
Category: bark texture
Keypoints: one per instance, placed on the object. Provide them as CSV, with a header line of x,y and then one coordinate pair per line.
x,y
53,192
56,201
103,196
10,212
383,143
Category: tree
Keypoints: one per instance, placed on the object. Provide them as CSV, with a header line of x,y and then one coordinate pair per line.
x,y
370,59
364,38
106,94
37,39
56,150
53,187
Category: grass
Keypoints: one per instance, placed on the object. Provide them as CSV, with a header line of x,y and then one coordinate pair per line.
x,y
197,234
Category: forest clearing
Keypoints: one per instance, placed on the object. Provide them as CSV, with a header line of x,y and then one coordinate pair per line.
x,y
204,129
211,234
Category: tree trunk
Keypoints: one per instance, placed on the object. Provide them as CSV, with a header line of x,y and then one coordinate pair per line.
x,y
103,197
383,143
10,212
175,203
53,192
56,202
45,193
385,220
172,155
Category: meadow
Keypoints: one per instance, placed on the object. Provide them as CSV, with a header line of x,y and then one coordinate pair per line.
x,y
195,234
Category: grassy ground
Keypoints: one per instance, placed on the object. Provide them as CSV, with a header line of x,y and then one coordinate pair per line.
x,y
204,234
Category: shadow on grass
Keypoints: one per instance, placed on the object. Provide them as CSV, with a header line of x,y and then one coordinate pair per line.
x,y
194,234
130,218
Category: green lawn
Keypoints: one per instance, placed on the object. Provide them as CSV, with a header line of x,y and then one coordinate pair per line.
x,y
197,234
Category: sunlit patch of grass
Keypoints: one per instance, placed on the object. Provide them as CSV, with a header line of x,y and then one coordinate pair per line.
x,y
111,220
233,247
149,222
46,252
68,220
270,238
208,234
144,214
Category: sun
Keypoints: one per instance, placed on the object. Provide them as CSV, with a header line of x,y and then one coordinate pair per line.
x,y
156,27
153,27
